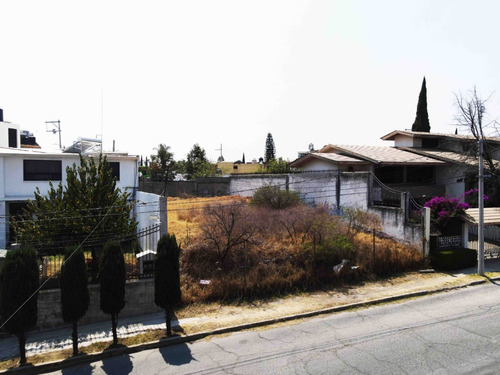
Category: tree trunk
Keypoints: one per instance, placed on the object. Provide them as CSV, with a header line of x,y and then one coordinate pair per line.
x,y
21,339
168,318
113,327
74,336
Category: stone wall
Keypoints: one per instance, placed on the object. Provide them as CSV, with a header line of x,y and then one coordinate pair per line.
x,y
139,297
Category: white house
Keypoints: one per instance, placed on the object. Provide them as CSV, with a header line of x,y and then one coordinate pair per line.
x,y
23,169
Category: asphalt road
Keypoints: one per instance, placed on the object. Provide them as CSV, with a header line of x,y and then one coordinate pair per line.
x,y
456,332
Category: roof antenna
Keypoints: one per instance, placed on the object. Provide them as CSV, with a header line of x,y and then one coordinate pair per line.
x,y
56,125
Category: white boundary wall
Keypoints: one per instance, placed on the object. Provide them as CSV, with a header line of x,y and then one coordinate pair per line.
x,y
337,190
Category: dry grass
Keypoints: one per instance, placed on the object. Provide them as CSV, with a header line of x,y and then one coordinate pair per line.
x,y
184,213
60,355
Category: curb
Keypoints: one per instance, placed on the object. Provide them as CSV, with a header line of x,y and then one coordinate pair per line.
x,y
74,361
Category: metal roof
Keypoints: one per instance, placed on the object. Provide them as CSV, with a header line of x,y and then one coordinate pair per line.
x,y
491,216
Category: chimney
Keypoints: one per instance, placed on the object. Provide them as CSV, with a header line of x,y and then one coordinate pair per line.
x,y
1,115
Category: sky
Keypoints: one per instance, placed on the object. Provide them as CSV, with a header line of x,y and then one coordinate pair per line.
x,y
216,72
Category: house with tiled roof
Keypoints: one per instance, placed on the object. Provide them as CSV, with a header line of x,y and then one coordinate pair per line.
x,y
394,181
421,163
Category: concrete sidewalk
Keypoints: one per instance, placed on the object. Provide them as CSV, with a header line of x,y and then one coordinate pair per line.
x,y
282,309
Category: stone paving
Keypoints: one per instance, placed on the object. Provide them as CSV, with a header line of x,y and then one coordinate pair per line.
x,y
57,339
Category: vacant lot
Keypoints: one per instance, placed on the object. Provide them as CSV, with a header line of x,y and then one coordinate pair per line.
x,y
184,213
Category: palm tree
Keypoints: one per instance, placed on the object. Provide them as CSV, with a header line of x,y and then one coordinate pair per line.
x,y
163,158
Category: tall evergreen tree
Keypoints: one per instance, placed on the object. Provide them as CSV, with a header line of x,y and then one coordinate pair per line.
x,y
112,277
19,279
74,291
421,123
270,152
167,279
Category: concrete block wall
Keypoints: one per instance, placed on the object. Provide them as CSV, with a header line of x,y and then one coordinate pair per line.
x,y
354,190
246,185
315,188
139,297
394,224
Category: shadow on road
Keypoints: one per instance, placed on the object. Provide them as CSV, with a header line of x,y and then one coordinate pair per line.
x,y
176,355
83,369
121,365
494,282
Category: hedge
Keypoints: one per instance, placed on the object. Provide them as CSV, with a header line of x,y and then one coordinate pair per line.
x,y
453,258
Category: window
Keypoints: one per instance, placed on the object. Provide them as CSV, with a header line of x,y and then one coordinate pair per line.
x,y
115,169
390,175
42,170
420,174
12,138
430,142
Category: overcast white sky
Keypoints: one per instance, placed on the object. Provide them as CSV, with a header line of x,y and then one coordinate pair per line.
x,y
228,72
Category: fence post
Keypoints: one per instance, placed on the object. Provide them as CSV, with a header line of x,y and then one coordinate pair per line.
x,y
404,204
426,230
373,254
465,235
163,216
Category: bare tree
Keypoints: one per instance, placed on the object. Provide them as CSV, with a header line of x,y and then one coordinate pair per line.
x,y
227,226
471,113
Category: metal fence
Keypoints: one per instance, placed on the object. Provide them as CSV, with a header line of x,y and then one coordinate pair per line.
x,y
137,267
382,195
491,240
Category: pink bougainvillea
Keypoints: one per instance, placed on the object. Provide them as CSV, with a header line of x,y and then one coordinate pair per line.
x,y
445,211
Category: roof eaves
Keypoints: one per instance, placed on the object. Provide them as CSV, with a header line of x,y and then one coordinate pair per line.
x,y
353,154
433,156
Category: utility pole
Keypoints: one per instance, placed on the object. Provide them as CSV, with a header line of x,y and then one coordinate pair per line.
x,y
480,224
220,158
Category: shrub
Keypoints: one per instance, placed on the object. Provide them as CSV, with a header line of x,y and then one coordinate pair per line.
x,y
112,279
74,291
226,226
19,279
167,284
453,258
275,198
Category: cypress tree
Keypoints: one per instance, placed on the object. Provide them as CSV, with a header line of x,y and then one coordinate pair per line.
x,y
74,291
167,279
19,279
421,123
112,279
270,152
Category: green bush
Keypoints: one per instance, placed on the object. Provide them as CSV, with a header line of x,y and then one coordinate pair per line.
x,y
453,258
275,198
